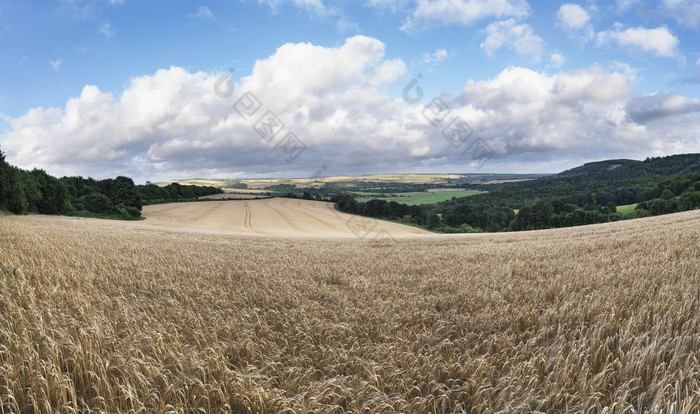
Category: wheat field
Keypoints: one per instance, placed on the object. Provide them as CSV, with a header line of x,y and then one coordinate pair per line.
x,y
100,316
278,217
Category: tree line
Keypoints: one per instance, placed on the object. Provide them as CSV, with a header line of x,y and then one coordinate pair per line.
x,y
584,195
672,195
35,191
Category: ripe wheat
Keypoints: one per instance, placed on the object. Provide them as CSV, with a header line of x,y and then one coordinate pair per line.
x,y
114,317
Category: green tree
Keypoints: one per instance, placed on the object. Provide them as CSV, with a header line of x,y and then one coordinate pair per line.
x,y
594,198
541,212
408,219
54,194
122,190
98,203
434,221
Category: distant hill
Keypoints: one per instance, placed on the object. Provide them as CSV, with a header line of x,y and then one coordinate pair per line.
x,y
619,181
599,167
658,166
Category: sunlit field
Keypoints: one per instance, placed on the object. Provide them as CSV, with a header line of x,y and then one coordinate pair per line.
x,y
279,217
108,316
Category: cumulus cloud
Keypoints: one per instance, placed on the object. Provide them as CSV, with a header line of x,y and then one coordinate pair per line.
x,y
173,120
659,41
514,36
447,12
530,111
436,57
173,123
572,16
661,105
557,60
576,21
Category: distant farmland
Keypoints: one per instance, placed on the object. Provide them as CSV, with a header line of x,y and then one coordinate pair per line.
x,y
423,197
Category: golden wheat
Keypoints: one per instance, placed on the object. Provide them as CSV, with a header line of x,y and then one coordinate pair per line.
x,y
271,217
115,317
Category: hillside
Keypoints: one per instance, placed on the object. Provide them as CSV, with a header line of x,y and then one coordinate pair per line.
x,y
617,181
680,164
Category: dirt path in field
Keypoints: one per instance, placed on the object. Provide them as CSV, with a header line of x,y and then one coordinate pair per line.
x,y
271,217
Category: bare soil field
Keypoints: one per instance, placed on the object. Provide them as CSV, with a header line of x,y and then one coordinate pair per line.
x,y
272,217
105,316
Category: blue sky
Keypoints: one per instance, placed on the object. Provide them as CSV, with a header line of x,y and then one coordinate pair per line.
x,y
106,87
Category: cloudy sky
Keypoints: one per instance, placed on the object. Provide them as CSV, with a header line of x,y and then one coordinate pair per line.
x,y
274,88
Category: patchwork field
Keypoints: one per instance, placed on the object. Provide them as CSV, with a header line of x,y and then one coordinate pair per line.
x,y
425,197
272,217
106,316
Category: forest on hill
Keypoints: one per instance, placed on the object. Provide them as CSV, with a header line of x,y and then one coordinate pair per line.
x,y
584,195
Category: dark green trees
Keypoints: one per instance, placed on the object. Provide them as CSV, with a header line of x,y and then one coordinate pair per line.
x,y
54,194
31,191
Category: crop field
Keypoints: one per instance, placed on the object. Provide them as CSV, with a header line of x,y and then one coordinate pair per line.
x,y
349,181
626,209
109,316
425,197
271,217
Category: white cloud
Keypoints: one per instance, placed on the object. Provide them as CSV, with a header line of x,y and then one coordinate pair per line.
x,y
447,12
436,57
685,12
173,124
344,25
518,37
388,72
660,41
697,63
569,112
173,120
624,5
300,69
661,105
203,12
576,21
106,30
557,60
573,16
56,64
